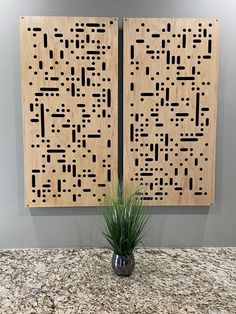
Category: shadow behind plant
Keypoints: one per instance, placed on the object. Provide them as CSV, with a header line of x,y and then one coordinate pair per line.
x,y
125,222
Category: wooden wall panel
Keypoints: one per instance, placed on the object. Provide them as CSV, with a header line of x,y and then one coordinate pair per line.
x,y
170,90
69,93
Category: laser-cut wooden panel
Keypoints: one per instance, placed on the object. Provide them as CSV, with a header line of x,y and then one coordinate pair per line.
x,y
170,90
69,90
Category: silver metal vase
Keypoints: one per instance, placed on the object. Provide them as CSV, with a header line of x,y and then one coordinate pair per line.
x,y
123,265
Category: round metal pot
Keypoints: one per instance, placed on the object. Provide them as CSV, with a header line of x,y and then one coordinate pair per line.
x,y
123,265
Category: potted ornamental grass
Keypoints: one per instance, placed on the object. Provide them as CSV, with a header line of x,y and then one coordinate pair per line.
x,y
125,226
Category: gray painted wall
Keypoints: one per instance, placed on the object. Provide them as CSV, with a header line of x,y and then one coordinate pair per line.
x,y
81,227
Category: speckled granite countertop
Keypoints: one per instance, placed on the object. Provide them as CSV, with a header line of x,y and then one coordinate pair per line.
x,y
81,281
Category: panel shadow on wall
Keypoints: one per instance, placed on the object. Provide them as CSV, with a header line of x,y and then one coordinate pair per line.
x,y
69,91
170,89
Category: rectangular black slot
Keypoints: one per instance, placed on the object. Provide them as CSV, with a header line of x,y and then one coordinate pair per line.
x,y
166,139
184,41
166,157
108,143
185,171
94,135
197,41
42,120
78,128
83,143
108,98
58,35
31,107
59,185
147,70
197,109
167,94
56,151
139,41
147,94
207,121
38,193
54,78
183,149
79,30
104,66
66,43
33,181
72,89
109,175
83,76
88,81
147,198
189,139
178,60
173,60
150,52
72,71
104,113
73,136
94,158
143,134
205,109
155,35
45,40
58,115
66,125
102,185
180,67
185,78
168,27
161,181
86,190
131,132
209,46
136,117
205,32
48,158
190,184
101,30
168,57
132,87
156,152
34,120
206,57
193,70
87,38
178,188
86,115
171,181
146,174
49,89
199,134
174,104
154,114
182,114
74,171
63,168
35,170
37,29
40,65
131,52
69,168
93,24
176,171
151,147
159,125
196,161
163,43
157,86
74,197
79,183
151,186
93,52
60,161
90,175
198,193
50,54
136,162
77,43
